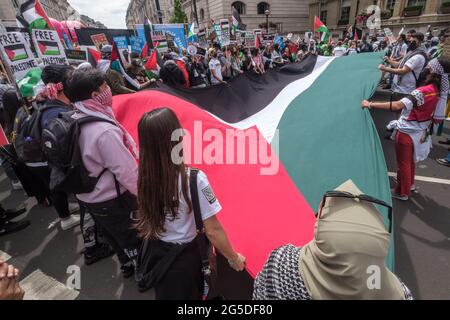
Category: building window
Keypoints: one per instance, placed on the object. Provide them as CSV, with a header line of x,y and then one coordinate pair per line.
x,y
202,15
15,4
323,11
323,16
390,4
240,7
262,7
345,11
416,3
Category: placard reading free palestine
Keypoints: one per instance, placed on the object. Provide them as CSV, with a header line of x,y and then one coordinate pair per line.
x,y
17,53
48,47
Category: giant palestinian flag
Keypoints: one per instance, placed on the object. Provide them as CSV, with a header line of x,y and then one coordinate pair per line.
x,y
310,112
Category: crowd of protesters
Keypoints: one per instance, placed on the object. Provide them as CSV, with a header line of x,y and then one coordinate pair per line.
x,y
122,212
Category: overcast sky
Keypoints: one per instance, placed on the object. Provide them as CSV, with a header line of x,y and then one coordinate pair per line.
x,y
109,12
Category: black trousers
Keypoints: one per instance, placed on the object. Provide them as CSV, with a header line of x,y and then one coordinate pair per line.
x,y
113,220
184,279
58,198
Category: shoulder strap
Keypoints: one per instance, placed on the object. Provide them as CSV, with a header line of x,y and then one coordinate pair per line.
x,y
203,243
89,119
195,200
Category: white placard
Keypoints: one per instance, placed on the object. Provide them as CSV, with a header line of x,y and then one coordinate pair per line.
x,y
17,53
48,46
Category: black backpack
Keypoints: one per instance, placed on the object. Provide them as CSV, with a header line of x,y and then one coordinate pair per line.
x,y
27,128
61,147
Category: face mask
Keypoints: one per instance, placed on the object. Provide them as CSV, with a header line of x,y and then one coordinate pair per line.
x,y
412,46
105,97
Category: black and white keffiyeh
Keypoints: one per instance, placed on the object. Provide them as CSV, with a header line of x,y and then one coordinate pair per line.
x,y
280,277
437,68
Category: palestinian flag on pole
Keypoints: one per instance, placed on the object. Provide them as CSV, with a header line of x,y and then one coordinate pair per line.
x,y
93,56
322,141
27,84
115,58
237,21
320,27
32,13
154,62
148,29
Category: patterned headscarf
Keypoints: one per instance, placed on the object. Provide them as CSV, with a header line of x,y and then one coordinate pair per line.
x,y
437,68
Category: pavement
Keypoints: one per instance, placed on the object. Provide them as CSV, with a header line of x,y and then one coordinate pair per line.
x,y
48,258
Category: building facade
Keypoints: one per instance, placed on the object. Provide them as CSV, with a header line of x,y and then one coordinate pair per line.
x,y
157,11
60,10
395,14
285,15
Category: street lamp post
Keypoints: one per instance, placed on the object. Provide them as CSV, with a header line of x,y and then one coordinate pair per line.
x,y
267,13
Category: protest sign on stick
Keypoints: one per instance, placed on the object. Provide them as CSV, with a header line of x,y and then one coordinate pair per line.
x,y
48,46
99,40
76,56
16,54
224,32
250,38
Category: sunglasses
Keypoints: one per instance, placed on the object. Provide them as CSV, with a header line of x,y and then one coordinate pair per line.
x,y
361,197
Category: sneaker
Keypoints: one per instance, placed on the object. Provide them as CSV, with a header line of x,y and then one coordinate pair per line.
x,y
399,197
70,222
74,207
97,253
443,162
11,226
14,213
127,270
414,189
16,185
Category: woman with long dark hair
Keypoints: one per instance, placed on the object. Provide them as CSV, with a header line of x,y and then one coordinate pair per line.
x,y
415,125
166,215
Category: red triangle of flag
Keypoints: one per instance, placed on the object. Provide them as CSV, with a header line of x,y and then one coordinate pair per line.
x,y
152,62
115,53
93,57
317,23
257,42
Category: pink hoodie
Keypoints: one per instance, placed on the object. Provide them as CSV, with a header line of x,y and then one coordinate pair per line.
x,y
102,147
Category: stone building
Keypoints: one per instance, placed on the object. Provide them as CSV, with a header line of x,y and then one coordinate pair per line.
x,y
395,14
285,15
158,11
60,10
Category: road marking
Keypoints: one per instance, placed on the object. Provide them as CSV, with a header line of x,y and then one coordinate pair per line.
x,y
4,256
39,286
424,179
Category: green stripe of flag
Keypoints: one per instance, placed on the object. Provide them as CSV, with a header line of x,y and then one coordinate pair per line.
x,y
335,139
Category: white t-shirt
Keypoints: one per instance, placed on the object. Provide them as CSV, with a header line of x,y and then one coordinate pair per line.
x,y
214,64
407,82
183,229
351,51
339,51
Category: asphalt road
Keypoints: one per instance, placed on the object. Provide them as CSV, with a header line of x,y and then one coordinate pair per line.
x,y
422,237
